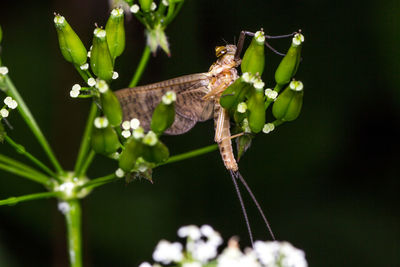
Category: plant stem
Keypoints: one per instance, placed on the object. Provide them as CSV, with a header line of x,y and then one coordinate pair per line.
x,y
31,122
190,154
18,168
73,221
16,200
87,162
21,149
84,148
100,181
140,68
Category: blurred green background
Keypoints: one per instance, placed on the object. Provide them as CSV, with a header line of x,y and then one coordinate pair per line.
x,y
327,182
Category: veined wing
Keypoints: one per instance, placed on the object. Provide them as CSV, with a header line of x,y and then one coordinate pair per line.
x,y
140,102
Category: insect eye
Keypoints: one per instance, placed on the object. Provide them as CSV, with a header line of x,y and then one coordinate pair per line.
x,y
220,51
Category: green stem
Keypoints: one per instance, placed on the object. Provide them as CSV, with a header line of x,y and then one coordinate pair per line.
x,y
31,122
277,89
85,144
100,181
87,162
140,68
15,200
84,74
73,220
191,154
30,175
278,122
21,149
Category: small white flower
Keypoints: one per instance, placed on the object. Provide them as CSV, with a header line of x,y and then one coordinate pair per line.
x,y
150,138
242,107
246,77
135,123
167,252
258,84
76,87
271,94
138,133
169,97
135,8
269,127
116,12
67,188
91,82
204,251
89,53
115,75
99,33
3,70
126,133
119,173
153,6
8,100
245,126
126,125
145,264
190,231
59,19
296,86
63,207
192,264
100,122
270,253
74,93
102,86
298,39
165,2
13,104
259,36
84,66
143,167
4,113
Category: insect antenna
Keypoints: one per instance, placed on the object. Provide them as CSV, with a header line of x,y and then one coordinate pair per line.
x,y
243,181
246,218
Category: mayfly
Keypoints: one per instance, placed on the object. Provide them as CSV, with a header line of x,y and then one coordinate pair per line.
x,y
197,99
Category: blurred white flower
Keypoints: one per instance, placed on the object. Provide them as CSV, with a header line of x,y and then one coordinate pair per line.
x,y
167,252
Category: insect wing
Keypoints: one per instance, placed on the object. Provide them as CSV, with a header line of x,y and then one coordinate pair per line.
x,y
140,102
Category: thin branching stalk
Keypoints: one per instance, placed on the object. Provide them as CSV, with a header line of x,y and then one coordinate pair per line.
x,y
100,181
141,67
16,200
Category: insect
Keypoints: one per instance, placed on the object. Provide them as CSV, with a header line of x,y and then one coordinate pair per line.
x,y
197,99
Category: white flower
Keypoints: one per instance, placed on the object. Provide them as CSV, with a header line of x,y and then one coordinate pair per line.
x,y
242,107
153,6
3,70
100,122
296,85
115,75
4,113
190,231
204,251
84,66
11,103
91,82
102,86
99,33
165,2
134,8
145,264
169,97
135,123
138,133
298,39
150,138
192,264
119,173
126,133
63,207
126,125
271,94
167,252
270,253
269,127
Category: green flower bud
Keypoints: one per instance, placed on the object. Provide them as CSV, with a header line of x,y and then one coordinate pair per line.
x,y
104,140
156,153
290,63
255,104
133,150
243,143
111,106
116,33
71,46
287,106
254,59
236,92
145,5
100,57
164,114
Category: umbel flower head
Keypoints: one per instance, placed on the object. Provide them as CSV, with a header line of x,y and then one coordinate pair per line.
x,y
202,250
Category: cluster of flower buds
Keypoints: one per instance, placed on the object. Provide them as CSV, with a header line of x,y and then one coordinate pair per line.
x,y
156,17
9,104
147,147
246,99
202,250
107,45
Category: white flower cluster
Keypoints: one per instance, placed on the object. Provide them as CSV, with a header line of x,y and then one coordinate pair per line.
x,y
134,125
3,70
169,97
253,79
271,94
268,127
202,250
11,104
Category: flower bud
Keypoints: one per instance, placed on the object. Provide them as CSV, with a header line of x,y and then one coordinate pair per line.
x,y
71,46
255,105
235,93
145,5
133,150
290,63
254,59
156,153
287,106
111,107
164,114
104,140
100,57
157,38
116,33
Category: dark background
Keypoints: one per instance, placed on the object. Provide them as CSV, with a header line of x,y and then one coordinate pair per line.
x,y
327,181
